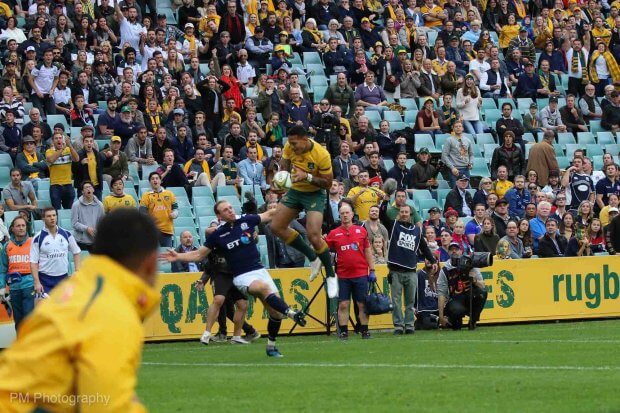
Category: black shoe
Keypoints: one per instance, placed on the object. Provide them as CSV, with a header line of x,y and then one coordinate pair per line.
x,y
410,331
398,332
366,335
300,318
344,336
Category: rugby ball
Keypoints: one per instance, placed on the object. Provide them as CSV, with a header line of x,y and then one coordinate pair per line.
x,y
282,180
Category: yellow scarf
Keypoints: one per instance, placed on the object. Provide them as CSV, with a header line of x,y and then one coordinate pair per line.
x,y
31,159
603,34
259,150
520,7
391,10
579,56
612,66
315,34
192,42
155,121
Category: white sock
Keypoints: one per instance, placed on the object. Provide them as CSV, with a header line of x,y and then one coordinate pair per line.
x,y
290,313
271,343
207,333
236,338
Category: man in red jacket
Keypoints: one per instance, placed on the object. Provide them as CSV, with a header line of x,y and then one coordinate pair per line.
x,y
355,268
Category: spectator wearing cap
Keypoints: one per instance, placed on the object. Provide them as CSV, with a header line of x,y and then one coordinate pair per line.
x,y
423,174
125,126
117,164
129,61
524,44
189,44
551,118
30,161
258,48
529,84
103,84
501,216
550,244
11,136
12,98
531,120
434,221
459,198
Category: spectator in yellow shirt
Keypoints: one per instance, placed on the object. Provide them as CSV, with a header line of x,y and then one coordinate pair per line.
x,y
433,15
160,204
118,198
364,196
502,184
80,349
60,157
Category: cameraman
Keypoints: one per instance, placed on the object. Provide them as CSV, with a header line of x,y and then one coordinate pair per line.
x,y
427,306
453,288
325,126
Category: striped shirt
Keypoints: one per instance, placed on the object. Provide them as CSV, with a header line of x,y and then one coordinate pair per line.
x,y
52,252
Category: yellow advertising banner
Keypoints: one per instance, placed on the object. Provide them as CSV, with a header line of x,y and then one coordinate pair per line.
x,y
519,290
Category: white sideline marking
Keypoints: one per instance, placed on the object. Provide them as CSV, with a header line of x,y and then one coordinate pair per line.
x,y
152,346
399,366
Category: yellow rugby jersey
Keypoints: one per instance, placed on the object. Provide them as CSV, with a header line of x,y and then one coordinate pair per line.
x,y
85,339
501,188
111,202
60,170
160,205
363,202
316,162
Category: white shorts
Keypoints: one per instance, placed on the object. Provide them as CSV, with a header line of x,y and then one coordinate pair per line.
x,y
243,281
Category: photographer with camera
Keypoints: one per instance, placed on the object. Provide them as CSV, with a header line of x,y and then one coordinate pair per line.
x,y
427,313
460,288
324,125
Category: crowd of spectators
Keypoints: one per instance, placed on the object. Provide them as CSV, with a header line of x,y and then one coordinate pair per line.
x,y
497,120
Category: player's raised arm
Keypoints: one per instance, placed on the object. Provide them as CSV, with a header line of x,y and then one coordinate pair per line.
x,y
192,256
267,216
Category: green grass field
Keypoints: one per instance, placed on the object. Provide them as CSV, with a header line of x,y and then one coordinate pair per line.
x,y
561,367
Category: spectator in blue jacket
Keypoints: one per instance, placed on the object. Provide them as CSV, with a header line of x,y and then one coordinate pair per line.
x,y
251,170
518,197
298,111
182,145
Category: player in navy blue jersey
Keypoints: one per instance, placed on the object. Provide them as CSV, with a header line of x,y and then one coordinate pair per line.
x,y
235,238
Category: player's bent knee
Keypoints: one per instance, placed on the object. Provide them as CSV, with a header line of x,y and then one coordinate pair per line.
x,y
218,300
242,305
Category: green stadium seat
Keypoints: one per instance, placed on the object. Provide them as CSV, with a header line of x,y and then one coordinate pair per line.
x,y
410,116
147,170
419,194
227,190
395,126
594,149
492,115
388,163
585,138
572,147
566,137
184,222
392,116
605,138
312,57
319,93
613,149
374,117
424,140
484,138
529,137
488,103
559,149
5,160
595,126
440,139
54,119
233,200
480,168
563,162
408,103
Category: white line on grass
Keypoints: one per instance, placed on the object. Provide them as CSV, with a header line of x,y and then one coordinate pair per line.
x,y
153,346
398,366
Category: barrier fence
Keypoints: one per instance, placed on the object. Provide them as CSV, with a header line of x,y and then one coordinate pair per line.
x,y
519,291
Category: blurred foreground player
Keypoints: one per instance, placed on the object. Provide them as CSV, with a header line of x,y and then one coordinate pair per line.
x,y
236,241
79,350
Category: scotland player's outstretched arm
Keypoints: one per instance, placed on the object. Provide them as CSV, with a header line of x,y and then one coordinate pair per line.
x,y
192,256
267,216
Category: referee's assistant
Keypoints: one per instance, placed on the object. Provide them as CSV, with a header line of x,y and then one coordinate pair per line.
x,y
80,349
